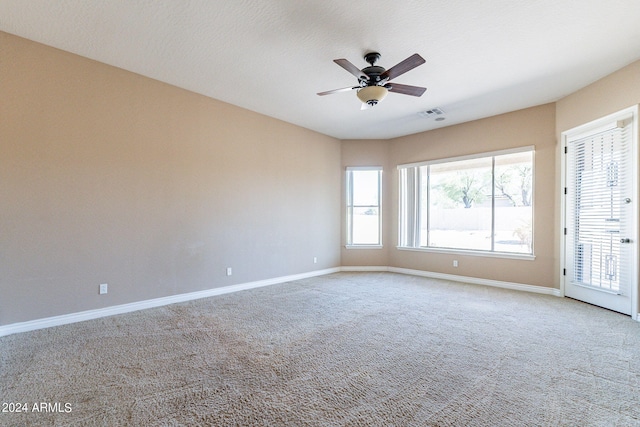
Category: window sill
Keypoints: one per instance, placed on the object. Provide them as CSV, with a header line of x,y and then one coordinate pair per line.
x,y
363,246
507,255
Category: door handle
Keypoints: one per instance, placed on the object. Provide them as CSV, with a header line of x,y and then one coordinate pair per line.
x,y
625,240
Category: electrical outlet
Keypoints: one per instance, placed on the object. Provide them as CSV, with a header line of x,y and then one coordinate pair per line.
x,y
103,288
455,262
315,259
229,271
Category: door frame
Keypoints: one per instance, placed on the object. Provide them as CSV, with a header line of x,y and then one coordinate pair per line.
x,y
586,129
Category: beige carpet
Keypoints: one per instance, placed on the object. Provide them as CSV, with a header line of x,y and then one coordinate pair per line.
x,y
349,349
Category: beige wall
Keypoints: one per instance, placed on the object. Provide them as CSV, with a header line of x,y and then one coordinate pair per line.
x,y
532,126
110,177
606,96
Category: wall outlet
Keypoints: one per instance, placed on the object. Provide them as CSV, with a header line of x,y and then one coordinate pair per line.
x,y
455,262
315,259
103,288
229,271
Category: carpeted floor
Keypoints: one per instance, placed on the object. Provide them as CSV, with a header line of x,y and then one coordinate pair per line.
x,y
348,349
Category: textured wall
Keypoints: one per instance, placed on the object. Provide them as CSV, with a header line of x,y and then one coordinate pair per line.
x,y
110,177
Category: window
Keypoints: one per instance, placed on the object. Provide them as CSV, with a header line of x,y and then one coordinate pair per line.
x,y
364,187
476,203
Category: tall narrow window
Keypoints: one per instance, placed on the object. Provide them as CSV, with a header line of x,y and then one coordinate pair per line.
x,y
476,203
364,225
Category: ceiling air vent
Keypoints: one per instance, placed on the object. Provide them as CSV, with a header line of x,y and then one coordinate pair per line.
x,y
434,112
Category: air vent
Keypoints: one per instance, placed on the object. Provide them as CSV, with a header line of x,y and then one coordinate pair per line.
x,y
432,112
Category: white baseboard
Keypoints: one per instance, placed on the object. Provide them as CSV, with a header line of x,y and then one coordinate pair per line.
x,y
456,278
478,281
364,268
64,319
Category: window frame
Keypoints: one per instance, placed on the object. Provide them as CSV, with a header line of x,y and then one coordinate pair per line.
x,y
412,202
350,207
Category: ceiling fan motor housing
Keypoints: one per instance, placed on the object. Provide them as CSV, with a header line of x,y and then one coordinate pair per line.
x,y
374,73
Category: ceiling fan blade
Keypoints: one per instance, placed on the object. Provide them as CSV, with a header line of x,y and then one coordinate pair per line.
x,y
344,89
407,89
351,68
408,64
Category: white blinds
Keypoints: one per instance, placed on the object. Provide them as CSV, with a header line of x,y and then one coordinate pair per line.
x,y
598,183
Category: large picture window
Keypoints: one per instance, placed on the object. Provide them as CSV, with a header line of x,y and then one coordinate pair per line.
x,y
477,203
364,187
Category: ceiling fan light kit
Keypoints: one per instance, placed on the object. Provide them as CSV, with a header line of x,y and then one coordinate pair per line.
x,y
373,81
371,95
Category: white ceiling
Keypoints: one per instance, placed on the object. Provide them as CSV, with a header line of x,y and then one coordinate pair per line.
x,y
272,56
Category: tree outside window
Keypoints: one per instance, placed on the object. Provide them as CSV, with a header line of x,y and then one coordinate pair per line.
x,y
482,203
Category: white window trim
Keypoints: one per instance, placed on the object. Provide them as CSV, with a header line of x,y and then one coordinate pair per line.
x,y
492,254
349,192
472,252
469,157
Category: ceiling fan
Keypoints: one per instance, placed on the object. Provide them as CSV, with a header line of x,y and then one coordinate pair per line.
x,y
373,81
